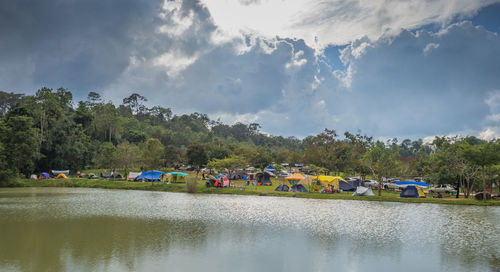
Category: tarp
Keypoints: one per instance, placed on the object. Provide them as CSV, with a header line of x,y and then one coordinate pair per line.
x,y
270,167
345,186
412,182
177,174
62,175
44,175
412,191
92,176
306,181
282,188
299,165
363,191
329,180
299,188
154,175
57,172
133,175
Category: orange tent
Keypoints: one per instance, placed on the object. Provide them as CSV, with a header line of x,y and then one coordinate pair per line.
x,y
296,176
61,176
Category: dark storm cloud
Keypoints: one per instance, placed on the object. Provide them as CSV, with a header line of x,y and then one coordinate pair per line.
x,y
82,45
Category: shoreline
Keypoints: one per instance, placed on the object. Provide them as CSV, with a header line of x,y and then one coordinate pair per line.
x,y
250,190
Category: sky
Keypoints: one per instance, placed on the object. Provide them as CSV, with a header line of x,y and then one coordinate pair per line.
x,y
406,69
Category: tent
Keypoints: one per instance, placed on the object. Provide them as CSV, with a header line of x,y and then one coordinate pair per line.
x,y
295,178
92,176
282,188
154,175
264,178
354,182
44,175
299,188
222,181
346,186
133,175
329,180
270,168
111,175
306,181
177,177
62,175
363,191
412,191
33,176
106,175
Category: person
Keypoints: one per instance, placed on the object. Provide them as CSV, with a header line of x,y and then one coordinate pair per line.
x,y
439,195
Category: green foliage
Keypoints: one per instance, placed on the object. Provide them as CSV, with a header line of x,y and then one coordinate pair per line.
x,y
197,155
152,154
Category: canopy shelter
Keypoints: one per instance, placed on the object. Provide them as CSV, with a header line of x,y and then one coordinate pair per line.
x,y
57,172
61,176
133,175
295,178
363,191
329,180
412,191
44,175
412,182
152,175
177,177
307,180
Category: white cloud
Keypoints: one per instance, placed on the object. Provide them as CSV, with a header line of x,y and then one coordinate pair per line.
x,y
429,47
174,62
337,22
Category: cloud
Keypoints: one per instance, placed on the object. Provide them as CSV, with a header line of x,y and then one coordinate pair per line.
x,y
335,22
390,78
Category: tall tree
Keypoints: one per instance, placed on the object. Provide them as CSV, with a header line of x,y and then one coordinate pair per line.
x,y
126,156
152,154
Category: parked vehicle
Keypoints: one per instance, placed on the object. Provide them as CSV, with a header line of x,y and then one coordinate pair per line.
x,y
442,188
390,185
371,183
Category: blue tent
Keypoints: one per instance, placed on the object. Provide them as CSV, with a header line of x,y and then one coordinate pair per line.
x,y
44,175
346,186
299,188
354,182
155,175
282,188
299,165
412,191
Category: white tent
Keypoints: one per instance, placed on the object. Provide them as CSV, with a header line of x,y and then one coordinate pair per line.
x,y
133,175
363,191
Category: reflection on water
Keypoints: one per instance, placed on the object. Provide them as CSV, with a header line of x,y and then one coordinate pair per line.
x,y
61,229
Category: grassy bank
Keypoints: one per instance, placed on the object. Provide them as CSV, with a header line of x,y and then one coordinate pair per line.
x,y
389,196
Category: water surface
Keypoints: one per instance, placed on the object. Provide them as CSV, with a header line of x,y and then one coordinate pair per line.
x,y
68,229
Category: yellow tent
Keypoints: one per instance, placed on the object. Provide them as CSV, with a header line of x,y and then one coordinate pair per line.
x,y
329,180
61,176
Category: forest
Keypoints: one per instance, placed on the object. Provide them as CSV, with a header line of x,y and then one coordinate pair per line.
x,y
48,130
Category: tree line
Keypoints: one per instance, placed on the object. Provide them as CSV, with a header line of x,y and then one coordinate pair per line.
x,y
48,130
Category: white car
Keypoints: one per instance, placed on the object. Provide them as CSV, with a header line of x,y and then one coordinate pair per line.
x,y
391,186
371,183
442,188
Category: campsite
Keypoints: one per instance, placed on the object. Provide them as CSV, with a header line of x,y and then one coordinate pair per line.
x,y
295,185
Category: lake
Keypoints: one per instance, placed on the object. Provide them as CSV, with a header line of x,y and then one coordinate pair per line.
x,y
70,229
